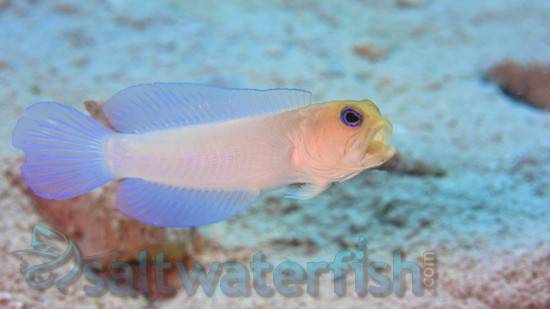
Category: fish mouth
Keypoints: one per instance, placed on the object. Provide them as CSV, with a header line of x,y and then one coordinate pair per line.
x,y
379,149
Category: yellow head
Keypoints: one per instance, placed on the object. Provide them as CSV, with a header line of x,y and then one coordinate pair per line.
x,y
341,138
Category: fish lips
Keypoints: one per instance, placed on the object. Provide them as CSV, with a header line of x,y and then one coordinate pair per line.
x,y
378,148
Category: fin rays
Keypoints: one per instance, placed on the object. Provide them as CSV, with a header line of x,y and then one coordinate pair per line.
x,y
170,206
157,106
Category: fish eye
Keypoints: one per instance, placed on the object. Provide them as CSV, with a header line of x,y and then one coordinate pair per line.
x,y
351,117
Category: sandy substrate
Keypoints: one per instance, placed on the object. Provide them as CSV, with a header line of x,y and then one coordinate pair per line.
x,y
485,212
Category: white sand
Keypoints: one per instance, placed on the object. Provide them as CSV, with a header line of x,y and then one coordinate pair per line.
x,y
490,211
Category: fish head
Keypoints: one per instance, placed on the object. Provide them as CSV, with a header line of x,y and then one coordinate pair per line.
x,y
346,137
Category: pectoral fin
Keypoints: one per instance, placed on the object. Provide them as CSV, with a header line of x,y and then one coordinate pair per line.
x,y
308,190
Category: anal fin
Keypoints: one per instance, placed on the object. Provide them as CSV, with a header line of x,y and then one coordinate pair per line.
x,y
170,206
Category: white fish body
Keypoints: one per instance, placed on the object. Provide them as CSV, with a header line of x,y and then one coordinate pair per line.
x,y
191,155
250,154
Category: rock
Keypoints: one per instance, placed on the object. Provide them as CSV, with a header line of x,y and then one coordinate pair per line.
x,y
529,83
105,235
407,4
532,167
78,38
4,4
369,52
66,8
400,165
138,24
309,246
4,65
387,214
5,298
96,111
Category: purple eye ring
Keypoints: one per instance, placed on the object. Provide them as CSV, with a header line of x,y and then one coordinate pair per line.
x,y
351,117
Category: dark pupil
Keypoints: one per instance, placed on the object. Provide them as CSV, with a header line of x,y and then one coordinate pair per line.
x,y
351,117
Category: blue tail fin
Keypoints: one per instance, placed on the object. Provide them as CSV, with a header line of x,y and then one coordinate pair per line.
x,y
64,150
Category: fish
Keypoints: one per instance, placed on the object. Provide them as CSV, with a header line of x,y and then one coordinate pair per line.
x,y
188,154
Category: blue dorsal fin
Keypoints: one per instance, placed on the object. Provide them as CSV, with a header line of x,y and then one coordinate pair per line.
x,y
157,106
170,206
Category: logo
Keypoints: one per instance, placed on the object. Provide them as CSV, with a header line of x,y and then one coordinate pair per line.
x,y
61,264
